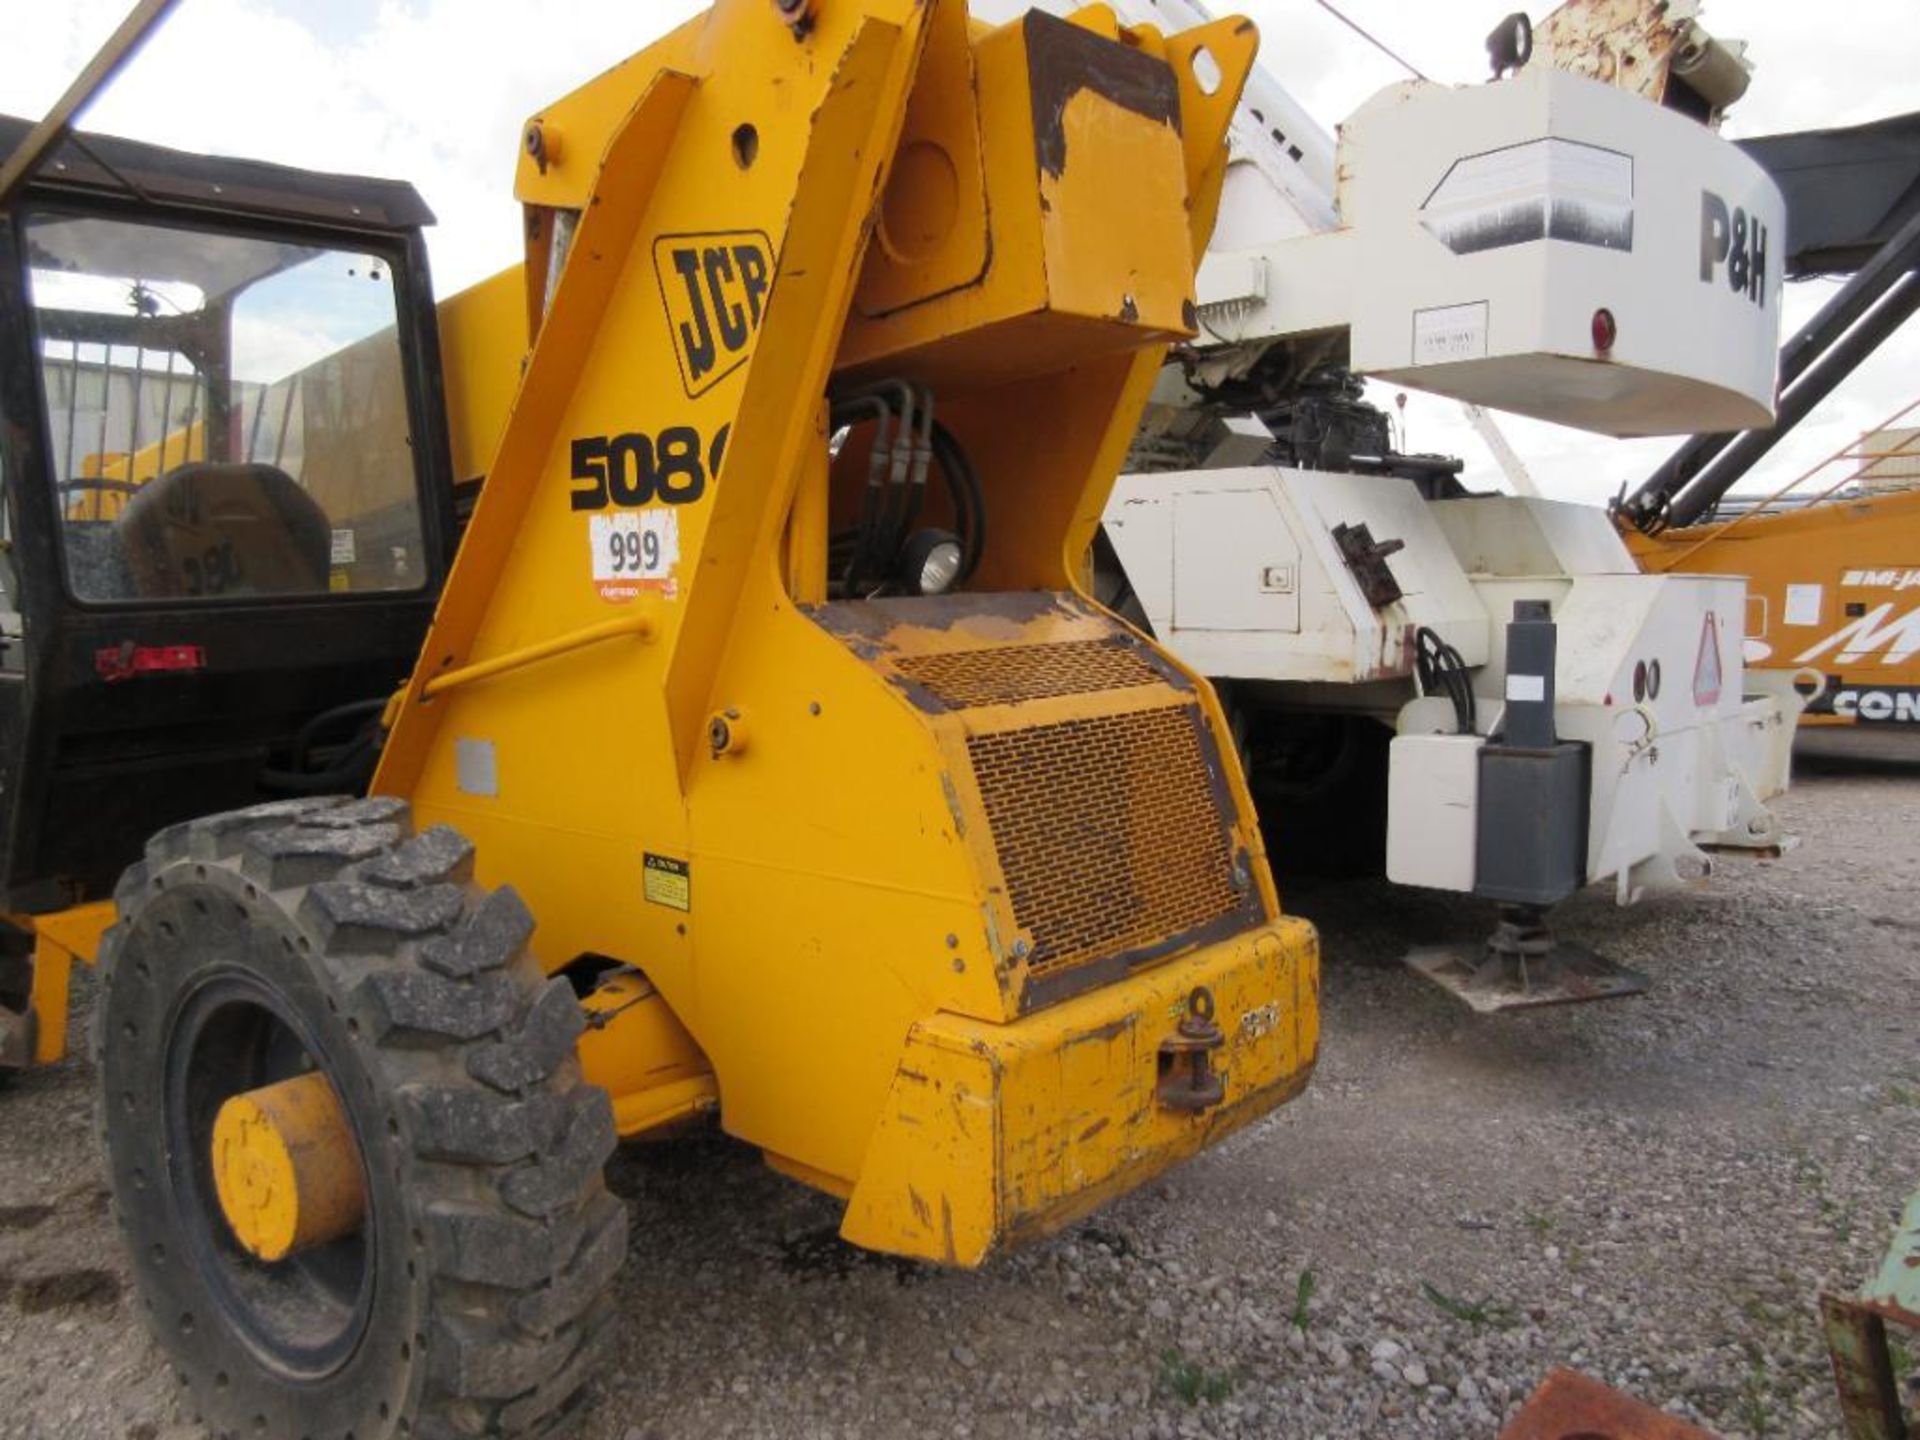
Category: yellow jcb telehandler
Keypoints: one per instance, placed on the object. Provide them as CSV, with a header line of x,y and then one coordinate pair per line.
x,y
759,753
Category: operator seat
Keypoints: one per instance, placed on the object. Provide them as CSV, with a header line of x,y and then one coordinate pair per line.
x,y
225,529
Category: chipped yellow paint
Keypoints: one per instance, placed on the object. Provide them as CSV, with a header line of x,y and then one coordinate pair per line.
x,y
993,1134
285,1167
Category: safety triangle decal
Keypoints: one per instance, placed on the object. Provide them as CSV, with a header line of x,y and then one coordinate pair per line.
x,y
1706,668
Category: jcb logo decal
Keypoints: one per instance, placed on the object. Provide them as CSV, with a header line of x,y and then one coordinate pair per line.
x,y
715,290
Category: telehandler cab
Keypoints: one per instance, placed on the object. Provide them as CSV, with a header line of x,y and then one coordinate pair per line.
x,y
764,681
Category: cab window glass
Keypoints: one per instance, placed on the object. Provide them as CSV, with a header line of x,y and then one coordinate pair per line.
x,y
226,414
12,634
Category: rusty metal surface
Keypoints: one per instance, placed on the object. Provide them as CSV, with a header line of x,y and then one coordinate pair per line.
x,y
1064,59
1864,1376
1188,1081
1108,833
1653,48
1572,1406
965,679
1490,978
1627,43
1366,557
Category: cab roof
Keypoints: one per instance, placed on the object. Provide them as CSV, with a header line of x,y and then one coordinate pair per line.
x,y
92,164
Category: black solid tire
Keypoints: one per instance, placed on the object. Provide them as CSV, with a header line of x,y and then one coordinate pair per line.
x,y
491,1241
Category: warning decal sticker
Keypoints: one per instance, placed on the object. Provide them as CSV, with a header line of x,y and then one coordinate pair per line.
x,y
1706,665
668,882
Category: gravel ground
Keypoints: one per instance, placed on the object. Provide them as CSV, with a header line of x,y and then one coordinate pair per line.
x,y
1654,1191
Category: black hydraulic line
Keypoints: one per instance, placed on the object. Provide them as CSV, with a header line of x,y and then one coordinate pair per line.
x,y
902,500
1440,669
304,737
969,501
922,461
41,140
898,467
850,412
348,771
1715,463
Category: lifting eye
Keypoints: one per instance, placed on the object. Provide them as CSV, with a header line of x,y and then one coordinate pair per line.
x,y
1206,71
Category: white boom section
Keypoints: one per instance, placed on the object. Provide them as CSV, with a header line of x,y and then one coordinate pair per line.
x,y
1467,236
1545,244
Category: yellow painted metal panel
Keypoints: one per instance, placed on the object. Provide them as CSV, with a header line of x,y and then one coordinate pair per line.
x,y
60,938
993,1134
636,1049
483,341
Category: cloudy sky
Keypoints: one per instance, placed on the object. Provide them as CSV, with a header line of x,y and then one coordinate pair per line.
x,y
434,91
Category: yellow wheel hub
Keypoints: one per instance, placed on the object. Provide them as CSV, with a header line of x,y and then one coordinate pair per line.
x,y
285,1167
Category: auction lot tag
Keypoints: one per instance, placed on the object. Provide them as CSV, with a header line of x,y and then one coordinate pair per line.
x,y
634,551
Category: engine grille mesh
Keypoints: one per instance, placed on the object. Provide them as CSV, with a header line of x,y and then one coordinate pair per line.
x,y
1107,831
963,679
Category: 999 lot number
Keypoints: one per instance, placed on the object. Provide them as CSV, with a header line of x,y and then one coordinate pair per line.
x,y
637,547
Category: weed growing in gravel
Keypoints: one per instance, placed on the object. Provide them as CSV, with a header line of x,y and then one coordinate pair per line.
x,y
1539,1224
1755,1412
1469,1312
1809,1173
1303,1301
1192,1381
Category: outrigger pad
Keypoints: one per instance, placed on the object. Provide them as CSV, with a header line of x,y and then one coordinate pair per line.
x,y
1491,980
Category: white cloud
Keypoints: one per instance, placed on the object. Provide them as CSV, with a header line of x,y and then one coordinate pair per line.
x,y
432,91
435,91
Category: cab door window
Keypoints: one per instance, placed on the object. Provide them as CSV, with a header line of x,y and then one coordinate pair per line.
x,y
226,414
